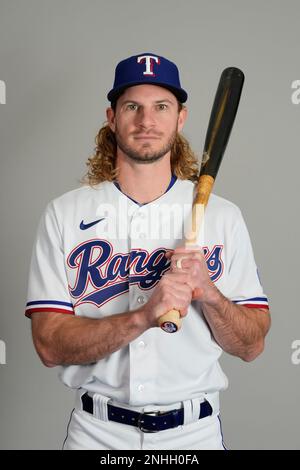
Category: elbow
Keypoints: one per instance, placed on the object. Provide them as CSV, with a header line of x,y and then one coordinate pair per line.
x,y
47,359
45,355
251,353
48,364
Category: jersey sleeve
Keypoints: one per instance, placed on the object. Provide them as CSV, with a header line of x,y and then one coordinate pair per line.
x,y
244,286
47,284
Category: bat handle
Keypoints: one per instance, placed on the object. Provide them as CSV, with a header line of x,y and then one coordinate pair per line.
x,y
170,321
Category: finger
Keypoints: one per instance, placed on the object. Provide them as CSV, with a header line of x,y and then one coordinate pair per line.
x,y
197,293
181,303
187,250
181,284
182,290
177,261
187,255
184,263
181,251
178,277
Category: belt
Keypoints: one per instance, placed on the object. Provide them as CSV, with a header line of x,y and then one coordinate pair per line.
x,y
152,421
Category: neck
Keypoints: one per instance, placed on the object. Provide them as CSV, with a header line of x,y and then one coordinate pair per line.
x,y
144,182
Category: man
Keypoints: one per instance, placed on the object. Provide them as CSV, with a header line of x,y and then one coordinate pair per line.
x,y
101,277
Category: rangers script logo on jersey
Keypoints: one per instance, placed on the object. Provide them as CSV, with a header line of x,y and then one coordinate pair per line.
x,y
110,274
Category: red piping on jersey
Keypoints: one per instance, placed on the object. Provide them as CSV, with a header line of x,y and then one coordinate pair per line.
x,y
47,309
254,306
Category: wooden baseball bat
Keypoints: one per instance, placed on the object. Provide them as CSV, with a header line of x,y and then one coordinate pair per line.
x,y
220,124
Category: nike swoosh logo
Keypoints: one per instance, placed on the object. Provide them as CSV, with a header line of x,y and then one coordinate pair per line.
x,y
84,226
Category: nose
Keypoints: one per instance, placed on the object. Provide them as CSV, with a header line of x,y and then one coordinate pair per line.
x,y
145,118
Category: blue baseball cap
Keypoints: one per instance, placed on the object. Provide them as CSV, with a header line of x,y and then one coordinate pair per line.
x,y
144,69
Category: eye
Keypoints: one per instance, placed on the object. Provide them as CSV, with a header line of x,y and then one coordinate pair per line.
x,y
162,106
132,107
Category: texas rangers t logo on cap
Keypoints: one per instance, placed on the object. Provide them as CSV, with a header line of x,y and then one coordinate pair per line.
x,y
149,60
146,68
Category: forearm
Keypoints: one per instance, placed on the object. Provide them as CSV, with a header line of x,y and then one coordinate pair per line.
x,y
68,340
62,339
239,330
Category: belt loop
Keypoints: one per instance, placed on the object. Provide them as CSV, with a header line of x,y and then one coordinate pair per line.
x,y
100,406
213,400
191,410
196,403
78,402
187,411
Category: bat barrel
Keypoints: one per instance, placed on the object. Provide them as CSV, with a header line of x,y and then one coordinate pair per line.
x,y
221,119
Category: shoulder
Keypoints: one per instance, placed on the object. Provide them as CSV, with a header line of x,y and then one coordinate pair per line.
x,y
215,202
224,216
217,205
222,205
77,196
64,208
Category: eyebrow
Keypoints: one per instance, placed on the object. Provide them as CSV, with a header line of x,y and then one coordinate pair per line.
x,y
156,102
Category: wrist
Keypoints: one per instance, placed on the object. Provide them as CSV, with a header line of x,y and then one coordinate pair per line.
x,y
141,319
212,297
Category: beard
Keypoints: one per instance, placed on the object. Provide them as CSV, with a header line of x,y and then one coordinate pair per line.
x,y
146,156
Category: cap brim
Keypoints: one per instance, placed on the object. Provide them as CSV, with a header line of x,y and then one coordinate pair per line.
x,y
115,93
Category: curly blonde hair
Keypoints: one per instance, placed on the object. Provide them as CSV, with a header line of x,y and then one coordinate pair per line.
x,y
102,165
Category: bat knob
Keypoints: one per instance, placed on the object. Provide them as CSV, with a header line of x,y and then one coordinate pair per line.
x,y
169,327
170,322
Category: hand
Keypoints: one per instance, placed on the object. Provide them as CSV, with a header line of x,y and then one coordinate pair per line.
x,y
172,292
194,265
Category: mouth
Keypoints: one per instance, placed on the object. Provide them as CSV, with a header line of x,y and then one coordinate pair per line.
x,y
146,137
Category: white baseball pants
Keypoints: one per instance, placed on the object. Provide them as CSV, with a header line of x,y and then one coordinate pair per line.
x,y
88,432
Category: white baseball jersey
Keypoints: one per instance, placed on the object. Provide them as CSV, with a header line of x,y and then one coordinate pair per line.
x,y
98,253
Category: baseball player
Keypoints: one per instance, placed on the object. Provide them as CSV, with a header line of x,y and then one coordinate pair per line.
x,y
109,261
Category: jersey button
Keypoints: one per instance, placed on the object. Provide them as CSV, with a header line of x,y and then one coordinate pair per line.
x,y
141,345
141,388
140,299
142,235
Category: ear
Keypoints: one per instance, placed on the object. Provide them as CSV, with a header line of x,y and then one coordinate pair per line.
x,y
182,118
110,115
